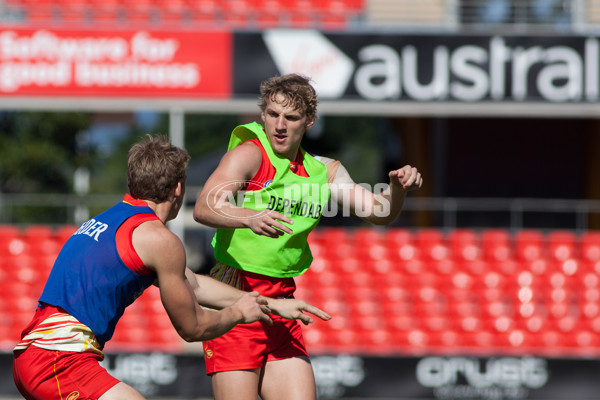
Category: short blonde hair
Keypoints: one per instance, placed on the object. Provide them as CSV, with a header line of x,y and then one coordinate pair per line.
x,y
295,88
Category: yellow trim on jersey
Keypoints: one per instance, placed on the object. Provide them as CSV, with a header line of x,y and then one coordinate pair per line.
x,y
61,332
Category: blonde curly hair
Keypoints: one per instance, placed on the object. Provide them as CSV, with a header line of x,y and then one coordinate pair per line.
x,y
295,88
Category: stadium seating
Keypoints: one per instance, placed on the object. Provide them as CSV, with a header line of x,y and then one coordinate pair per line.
x,y
464,291
230,14
391,292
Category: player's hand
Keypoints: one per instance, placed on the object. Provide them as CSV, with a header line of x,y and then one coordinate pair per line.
x,y
295,309
270,224
253,308
408,177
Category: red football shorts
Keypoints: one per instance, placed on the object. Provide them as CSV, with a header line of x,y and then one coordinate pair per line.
x,y
250,346
48,374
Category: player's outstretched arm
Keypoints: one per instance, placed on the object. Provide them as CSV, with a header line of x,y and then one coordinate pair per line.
x,y
377,208
163,252
212,293
296,309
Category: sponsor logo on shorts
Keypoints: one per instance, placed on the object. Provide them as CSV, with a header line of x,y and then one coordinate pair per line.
x,y
207,351
73,396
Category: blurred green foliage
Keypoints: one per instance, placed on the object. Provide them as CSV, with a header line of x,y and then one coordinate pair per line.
x,y
40,152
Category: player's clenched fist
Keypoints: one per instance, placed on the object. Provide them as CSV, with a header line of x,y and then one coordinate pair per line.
x,y
408,177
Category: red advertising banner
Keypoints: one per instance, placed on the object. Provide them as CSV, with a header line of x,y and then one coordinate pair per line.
x,y
136,63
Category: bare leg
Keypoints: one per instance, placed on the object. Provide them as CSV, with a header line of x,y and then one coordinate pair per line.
x,y
289,379
121,391
236,385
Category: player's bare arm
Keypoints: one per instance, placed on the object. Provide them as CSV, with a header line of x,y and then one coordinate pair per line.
x,y
377,208
212,293
212,207
163,252
295,309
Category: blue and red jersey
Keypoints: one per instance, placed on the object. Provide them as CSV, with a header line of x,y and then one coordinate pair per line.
x,y
90,279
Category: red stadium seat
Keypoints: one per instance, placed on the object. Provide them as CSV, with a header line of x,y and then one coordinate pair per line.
x,y
418,340
268,19
342,250
570,267
14,247
205,6
139,11
584,340
13,323
377,342
404,252
9,232
400,244
562,245
332,235
362,291
430,301
238,12
346,341
395,237
460,308
529,245
428,236
445,266
431,244
207,12
108,11
402,323
40,11
74,10
461,281
172,11
446,341
370,243
514,342
588,309
590,246
38,232
373,251
8,336
436,323
496,244
464,244
386,271
272,13
507,267
396,297
479,341
338,7
301,19
474,267
46,246
538,266
318,341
